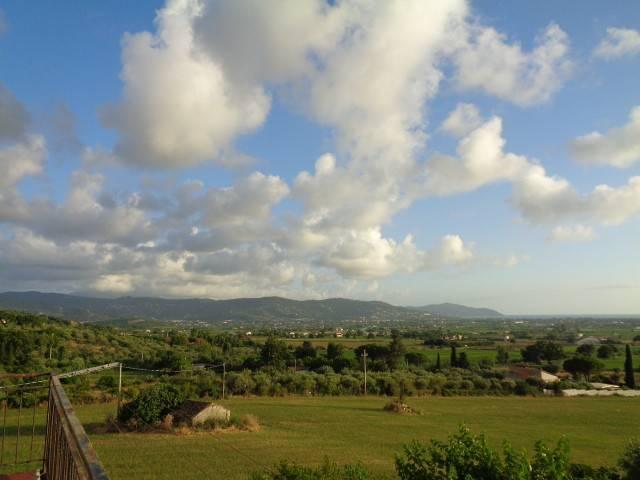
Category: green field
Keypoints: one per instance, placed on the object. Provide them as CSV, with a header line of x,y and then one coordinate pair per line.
x,y
356,429
350,429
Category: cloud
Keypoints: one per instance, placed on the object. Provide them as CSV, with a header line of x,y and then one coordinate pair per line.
x,y
367,255
462,120
574,233
485,61
84,216
619,147
544,199
14,118
481,161
178,108
17,162
539,198
618,42
268,54
365,70
250,199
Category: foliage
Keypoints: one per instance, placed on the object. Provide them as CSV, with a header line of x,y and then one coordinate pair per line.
x,y
469,457
607,350
586,349
542,350
152,405
453,360
630,461
580,365
274,353
629,378
502,355
328,471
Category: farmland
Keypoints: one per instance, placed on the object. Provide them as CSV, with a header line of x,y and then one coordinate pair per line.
x,y
350,429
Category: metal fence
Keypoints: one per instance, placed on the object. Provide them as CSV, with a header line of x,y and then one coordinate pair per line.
x,y
68,454
21,406
40,431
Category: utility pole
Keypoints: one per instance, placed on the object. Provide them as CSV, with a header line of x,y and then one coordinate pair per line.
x,y
224,377
119,386
364,357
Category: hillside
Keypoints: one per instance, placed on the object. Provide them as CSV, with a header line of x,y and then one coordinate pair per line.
x,y
211,311
454,310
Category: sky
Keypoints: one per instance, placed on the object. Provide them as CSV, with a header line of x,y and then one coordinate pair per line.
x,y
411,151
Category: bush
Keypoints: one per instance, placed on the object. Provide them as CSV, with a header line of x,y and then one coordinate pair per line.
x,y
630,461
106,382
249,422
466,456
328,471
151,405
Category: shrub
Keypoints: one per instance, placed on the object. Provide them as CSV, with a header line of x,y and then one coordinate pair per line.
x,y
106,382
466,456
151,405
630,461
328,471
249,422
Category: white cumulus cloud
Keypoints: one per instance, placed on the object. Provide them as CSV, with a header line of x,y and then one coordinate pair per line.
x,y
618,42
619,147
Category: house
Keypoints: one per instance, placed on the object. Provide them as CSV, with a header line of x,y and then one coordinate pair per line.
x,y
522,373
193,413
588,341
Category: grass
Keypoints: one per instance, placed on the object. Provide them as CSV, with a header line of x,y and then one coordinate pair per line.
x,y
355,429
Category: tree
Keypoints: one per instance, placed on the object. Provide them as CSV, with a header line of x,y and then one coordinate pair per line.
x,y
334,350
397,351
454,356
629,377
306,350
582,366
274,353
502,355
607,350
542,350
586,349
438,366
175,361
463,361
152,404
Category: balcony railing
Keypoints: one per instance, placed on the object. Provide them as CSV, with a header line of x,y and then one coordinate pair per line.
x,y
68,454
64,452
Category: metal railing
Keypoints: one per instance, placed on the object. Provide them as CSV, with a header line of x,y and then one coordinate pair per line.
x,y
68,454
20,432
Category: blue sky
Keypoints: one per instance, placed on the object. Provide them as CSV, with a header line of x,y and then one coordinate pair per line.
x,y
165,144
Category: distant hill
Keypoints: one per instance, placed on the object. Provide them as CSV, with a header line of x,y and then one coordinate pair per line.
x,y
266,309
458,311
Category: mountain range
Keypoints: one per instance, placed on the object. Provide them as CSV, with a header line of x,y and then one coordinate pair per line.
x,y
94,309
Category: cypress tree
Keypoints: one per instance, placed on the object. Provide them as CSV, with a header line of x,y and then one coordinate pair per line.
x,y
454,356
438,362
629,378
463,361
